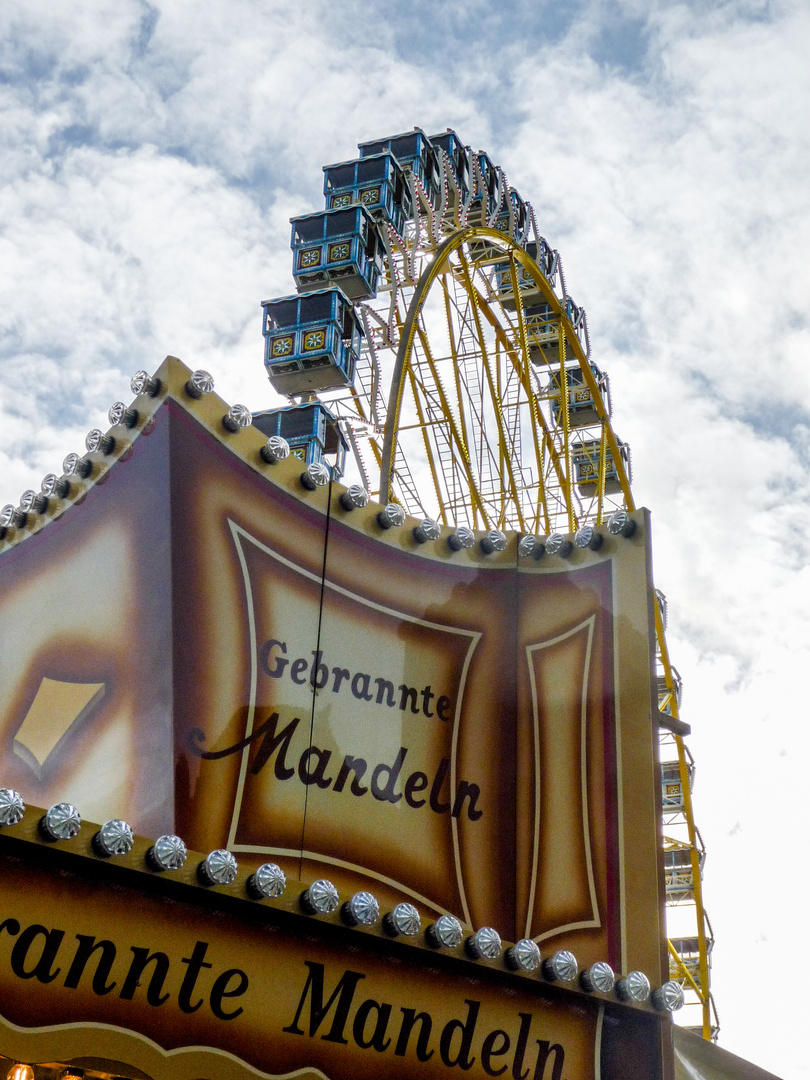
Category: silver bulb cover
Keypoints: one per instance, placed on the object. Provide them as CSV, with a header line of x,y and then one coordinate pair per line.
x,y
31,501
363,909
237,417
668,998
219,868
635,986
8,515
561,966
484,944
495,540
61,822
428,529
201,382
121,416
524,954
530,546
73,465
268,882
446,932
275,449
53,485
556,544
321,898
314,476
462,538
621,524
391,516
354,497
168,852
143,383
403,919
12,806
588,537
598,976
98,443
114,838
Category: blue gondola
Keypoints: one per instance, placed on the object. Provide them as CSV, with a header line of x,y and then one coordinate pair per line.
x,y
459,156
530,292
679,875
487,194
586,458
376,182
513,218
312,432
672,793
414,152
542,334
340,246
581,405
312,342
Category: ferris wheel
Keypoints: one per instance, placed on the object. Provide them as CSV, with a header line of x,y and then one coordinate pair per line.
x,y
433,353
461,381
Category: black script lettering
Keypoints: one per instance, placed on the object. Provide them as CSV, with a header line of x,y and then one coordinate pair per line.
x,y
408,695
385,689
298,667
220,990
518,1072
416,782
11,927
386,792
140,959
496,1044
467,791
279,663
271,742
378,1040
436,806
341,674
409,1019
360,687
383,781
42,969
467,1029
316,776
319,676
343,994
427,697
196,962
544,1053
87,946
274,662
358,766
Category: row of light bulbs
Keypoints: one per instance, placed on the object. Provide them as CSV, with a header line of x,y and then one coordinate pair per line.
x,y
314,476
63,822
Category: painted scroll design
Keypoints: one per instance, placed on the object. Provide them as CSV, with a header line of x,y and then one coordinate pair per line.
x,y
562,894
333,592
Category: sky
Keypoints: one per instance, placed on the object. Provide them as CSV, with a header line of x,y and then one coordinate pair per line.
x,y
153,153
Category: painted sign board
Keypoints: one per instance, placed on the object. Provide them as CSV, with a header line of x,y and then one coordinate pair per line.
x,y
106,965
195,642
